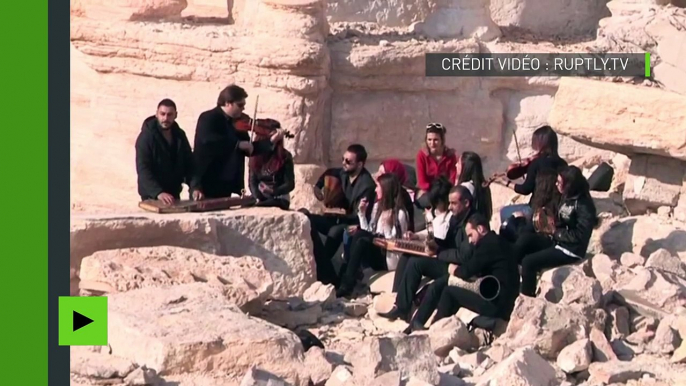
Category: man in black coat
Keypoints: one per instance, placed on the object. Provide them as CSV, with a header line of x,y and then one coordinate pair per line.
x,y
164,160
220,150
492,256
455,249
357,184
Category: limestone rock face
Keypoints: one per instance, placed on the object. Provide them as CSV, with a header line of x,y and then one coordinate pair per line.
x,y
620,117
193,328
246,282
546,327
280,239
126,10
461,19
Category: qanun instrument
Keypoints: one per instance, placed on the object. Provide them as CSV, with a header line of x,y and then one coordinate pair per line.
x,y
411,247
334,211
186,206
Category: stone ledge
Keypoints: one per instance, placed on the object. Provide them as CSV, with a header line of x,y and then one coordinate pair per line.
x,y
281,239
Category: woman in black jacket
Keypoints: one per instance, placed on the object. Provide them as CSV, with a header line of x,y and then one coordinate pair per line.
x,y
576,219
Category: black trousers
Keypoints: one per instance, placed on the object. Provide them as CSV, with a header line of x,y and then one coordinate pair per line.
x,y
447,300
528,243
533,264
413,270
362,250
333,230
274,202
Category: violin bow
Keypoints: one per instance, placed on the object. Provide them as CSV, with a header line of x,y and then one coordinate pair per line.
x,y
514,134
254,119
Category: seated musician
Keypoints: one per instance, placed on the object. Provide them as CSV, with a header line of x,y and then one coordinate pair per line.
x,y
396,168
438,222
544,208
471,174
433,160
576,219
389,220
272,176
491,258
544,142
455,249
164,160
357,183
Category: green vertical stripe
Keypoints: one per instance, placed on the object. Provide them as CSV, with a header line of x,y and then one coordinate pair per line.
x,y
24,160
647,65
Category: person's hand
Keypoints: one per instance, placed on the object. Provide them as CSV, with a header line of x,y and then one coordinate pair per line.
x,y
352,229
265,189
409,236
277,136
197,195
246,146
430,247
452,268
166,198
317,193
363,205
518,213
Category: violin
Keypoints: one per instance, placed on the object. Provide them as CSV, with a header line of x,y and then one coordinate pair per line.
x,y
519,169
262,126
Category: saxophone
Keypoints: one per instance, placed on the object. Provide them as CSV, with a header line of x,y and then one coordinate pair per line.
x,y
488,287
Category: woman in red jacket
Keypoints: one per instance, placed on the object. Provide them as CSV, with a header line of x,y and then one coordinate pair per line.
x,y
433,160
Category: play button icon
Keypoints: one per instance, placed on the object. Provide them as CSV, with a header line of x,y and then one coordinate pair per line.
x,y
83,321
80,321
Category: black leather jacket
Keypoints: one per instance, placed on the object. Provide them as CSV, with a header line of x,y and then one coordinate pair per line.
x,y
576,219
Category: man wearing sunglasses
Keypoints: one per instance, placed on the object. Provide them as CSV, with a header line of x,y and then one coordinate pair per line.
x,y
358,184
220,150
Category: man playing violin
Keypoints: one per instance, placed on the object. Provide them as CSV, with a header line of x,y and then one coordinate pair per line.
x,y
164,160
220,149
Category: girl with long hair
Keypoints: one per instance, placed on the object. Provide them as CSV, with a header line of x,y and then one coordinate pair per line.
x,y
272,177
543,206
433,160
389,220
576,219
544,142
471,175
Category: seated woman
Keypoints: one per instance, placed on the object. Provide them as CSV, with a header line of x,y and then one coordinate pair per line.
x,y
544,206
576,219
544,142
437,216
434,160
395,167
389,220
271,177
470,173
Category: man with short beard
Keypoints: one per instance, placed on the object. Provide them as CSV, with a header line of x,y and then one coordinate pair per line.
x,y
164,160
220,149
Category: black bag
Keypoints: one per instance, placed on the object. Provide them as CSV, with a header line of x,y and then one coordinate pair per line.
x,y
601,179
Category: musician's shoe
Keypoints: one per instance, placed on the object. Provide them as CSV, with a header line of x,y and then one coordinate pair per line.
x,y
394,314
414,326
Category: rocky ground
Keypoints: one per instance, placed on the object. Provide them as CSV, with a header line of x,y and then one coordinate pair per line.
x,y
178,316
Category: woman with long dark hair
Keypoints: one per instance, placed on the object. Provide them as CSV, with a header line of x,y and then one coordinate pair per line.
x,y
389,220
471,175
433,160
576,219
543,206
272,177
544,142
